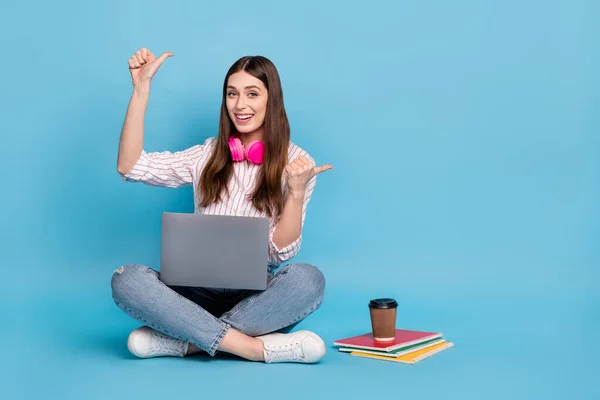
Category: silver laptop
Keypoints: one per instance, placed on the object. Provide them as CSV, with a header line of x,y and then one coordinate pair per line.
x,y
215,251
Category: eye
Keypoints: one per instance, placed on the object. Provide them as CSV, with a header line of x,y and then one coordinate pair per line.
x,y
252,94
231,94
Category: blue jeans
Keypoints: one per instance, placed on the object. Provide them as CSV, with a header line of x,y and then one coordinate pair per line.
x,y
202,316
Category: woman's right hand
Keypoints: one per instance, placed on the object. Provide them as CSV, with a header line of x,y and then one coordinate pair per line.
x,y
143,65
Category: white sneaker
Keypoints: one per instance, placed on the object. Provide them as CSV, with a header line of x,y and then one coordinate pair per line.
x,y
146,342
301,346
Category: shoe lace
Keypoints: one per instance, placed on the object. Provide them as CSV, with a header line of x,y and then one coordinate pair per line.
x,y
290,351
167,344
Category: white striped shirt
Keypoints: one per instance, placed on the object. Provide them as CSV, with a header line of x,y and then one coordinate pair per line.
x,y
184,168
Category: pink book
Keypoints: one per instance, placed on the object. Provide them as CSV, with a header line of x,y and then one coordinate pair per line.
x,y
403,338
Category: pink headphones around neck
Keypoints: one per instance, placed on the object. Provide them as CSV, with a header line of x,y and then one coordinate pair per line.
x,y
254,152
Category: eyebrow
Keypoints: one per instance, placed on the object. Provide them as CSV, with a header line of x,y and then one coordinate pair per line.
x,y
247,87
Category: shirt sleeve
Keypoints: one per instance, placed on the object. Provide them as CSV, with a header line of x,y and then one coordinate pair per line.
x,y
278,255
165,168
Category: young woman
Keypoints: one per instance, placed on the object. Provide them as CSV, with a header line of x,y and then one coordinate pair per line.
x,y
250,169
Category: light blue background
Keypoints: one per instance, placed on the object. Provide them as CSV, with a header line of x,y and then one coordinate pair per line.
x,y
465,140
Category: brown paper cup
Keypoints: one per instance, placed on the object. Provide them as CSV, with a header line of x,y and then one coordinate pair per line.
x,y
383,319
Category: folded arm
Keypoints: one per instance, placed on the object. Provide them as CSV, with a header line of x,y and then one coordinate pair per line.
x,y
131,142
156,169
165,169
286,233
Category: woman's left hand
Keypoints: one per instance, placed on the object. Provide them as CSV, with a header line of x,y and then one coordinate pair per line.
x,y
299,172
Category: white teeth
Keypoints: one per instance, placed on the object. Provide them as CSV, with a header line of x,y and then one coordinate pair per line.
x,y
243,116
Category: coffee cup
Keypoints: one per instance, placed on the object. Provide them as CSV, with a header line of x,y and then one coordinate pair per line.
x,y
383,319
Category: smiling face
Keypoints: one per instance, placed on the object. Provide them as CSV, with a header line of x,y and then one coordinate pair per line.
x,y
246,93
246,102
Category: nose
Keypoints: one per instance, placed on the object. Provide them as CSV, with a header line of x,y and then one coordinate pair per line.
x,y
241,103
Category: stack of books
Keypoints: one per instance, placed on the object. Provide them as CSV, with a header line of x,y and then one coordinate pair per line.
x,y
408,347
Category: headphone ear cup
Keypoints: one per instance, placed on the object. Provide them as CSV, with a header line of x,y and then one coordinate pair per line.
x,y
236,148
255,152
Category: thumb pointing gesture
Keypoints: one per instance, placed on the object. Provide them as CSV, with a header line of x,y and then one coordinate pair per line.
x,y
143,65
300,171
162,58
322,168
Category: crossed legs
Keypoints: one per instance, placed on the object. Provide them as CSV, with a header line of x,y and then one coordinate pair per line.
x,y
176,325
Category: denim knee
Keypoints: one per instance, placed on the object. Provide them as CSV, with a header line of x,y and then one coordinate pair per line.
x,y
311,276
130,282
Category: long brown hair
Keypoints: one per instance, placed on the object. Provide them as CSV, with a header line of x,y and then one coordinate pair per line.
x,y
267,195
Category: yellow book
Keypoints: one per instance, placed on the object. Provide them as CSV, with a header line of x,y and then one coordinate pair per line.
x,y
410,358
